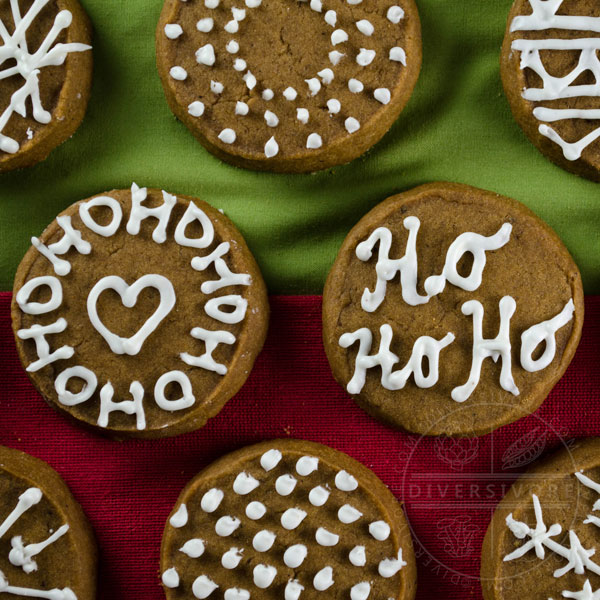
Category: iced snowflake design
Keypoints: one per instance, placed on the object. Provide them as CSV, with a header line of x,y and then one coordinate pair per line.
x,y
29,63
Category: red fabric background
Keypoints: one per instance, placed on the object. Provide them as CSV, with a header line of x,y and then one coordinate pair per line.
x,y
450,488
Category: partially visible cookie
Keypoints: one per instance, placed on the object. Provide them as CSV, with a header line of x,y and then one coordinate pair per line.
x,y
551,74
287,519
543,538
288,86
47,548
45,77
139,313
451,311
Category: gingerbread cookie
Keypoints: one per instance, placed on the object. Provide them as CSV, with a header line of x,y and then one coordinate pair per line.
x,y
542,541
47,548
446,297
287,519
45,77
139,313
551,75
288,86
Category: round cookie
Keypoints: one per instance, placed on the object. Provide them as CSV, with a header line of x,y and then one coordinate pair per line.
x,y
45,77
451,311
541,540
288,86
47,548
551,75
287,519
139,313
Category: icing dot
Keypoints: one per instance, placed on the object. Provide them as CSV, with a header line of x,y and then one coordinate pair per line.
x,y
256,510
382,95
314,141
239,64
293,589
241,108
388,567
211,3
290,94
271,119
326,75
335,57
271,148
291,518
236,594
398,55
268,94
365,27
232,558
360,591
225,526
250,80
180,518
351,125
294,556
232,47
206,55
326,538
323,579
355,86
232,26
173,31
354,1
196,109
170,578
178,73
365,57
239,14
348,514
358,556
331,18
318,496
193,548
263,576
211,500
203,587
307,465
253,3
270,459
380,530
227,136
339,36
244,483
205,25
285,484
334,106
395,14
302,115
316,5
314,85
216,87
263,540
345,482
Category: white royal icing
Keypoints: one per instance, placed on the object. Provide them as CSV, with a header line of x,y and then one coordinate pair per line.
x,y
212,500
244,484
348,514
360,591
203,587
292,517
323,580
38,308
318,495
232,558
129,407
326,538
263,576
307,465
270,459
170,578
256,510
38,334
345,482
180,517
380,530
193,548
68,398
293,590
263,540
226,525
358,556
285,484
388,567
294,556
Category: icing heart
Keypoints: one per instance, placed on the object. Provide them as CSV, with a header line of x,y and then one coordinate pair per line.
x,y
129,295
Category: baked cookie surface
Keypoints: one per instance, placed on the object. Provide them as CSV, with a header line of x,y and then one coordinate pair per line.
x,y
551,74
139,313
543,538
47,548
287,519
451,311
287,85
45,77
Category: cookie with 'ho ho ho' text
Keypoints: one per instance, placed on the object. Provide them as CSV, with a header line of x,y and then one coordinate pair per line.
x,y
45,77
551,75
287,519
139,313
47,548
451,311
542,538
289,86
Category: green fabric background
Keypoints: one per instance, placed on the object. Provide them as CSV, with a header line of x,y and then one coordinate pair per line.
x,y
457,127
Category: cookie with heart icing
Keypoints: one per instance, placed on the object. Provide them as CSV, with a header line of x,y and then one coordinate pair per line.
x,y
551,75
451,311
47,548
542,539
139,313
287,519
288,86
45,77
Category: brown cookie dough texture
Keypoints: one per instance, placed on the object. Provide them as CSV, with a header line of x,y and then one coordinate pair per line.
x,y
45,77
551,74
286,85
47,548
542,539
287,519
451,311
139,313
